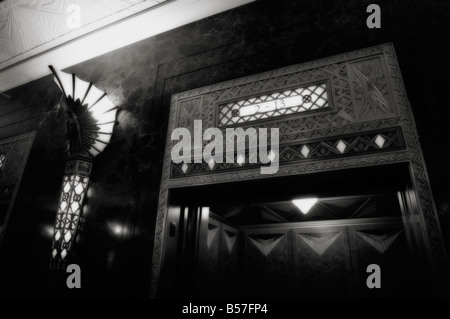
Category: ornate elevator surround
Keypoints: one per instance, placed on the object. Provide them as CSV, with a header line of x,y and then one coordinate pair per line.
x,y
368,122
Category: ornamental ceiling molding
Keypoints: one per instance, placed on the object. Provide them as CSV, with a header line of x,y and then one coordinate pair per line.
x,y
34,33
29,27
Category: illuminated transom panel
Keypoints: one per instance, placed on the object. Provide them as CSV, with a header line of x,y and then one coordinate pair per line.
x,y
68,216
302,99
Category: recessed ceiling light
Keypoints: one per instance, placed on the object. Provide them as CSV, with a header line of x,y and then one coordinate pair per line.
x,y
305,204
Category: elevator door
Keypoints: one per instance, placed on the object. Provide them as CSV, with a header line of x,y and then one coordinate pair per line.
x,y
254,239
326,261
310,259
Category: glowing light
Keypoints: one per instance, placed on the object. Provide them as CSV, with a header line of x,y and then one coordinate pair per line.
x,y
305,204
341,146
286,102
68,216
47,231
117,229
305,151
380,141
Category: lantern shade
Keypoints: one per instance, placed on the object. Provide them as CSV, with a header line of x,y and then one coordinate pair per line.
x,y
69,214
91,114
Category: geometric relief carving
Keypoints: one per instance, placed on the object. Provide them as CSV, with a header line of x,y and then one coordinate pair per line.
x,y
190,110
230,239
265,246
379,242
370,88
319,244
350,144
14,152
211,236
367,93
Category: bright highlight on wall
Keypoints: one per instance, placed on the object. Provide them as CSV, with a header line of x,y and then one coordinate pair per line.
x,y
305,204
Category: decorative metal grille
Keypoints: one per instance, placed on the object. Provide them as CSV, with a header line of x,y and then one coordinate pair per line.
x,y
302,99
68,216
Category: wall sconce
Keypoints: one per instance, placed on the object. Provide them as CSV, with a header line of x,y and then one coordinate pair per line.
x,y
91,118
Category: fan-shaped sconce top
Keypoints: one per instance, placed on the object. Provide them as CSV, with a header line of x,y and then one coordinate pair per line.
x,y
91,114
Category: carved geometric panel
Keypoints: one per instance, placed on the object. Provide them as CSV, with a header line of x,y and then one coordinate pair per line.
x,y
189,110
266,245
219,266
319,244
339,146
230,266
367,95
358,92
386,246
322,262
212,232
230,240
266,272
370,89
380,242
210,275
15,151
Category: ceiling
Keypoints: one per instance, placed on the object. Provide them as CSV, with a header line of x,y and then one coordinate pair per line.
x,y
28,27
36,33
326,208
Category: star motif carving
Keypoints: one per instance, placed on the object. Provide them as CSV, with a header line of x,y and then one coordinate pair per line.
x,y
372,98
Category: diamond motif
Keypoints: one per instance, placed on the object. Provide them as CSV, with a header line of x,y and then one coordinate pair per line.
x,y
57,235
67,236
63,206
211,164
380,141
240,159
66,187
79,188
54,252
305,151
75,206
184,168
341,146
271,156
63,254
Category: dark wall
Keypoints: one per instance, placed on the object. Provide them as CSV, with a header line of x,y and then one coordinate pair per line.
x,y
141,78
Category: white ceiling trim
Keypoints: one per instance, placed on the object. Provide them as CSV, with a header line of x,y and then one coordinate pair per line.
x,y
158,20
